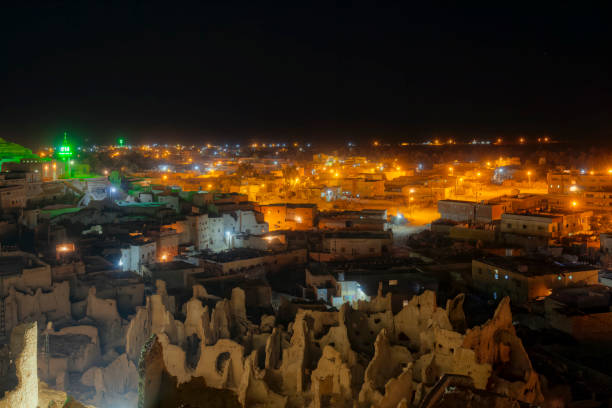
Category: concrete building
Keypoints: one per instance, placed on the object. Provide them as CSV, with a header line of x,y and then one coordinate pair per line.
x,y
286,216
197,225
365,220
582,312
12,197
244,222
139,252
354,245
167,241
593,190
246,261
469,211
605,243
526,279
549,225
216,234
170,200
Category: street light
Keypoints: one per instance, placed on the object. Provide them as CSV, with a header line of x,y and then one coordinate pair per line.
x,y
529,177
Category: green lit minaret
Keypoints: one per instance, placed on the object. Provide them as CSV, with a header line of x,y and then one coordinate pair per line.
x,y
65,153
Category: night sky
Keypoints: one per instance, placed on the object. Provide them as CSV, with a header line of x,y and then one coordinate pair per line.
x,y
243,71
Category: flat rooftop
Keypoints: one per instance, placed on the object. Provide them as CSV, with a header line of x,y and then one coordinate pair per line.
x,y
235,254
172,265
534,266
356,235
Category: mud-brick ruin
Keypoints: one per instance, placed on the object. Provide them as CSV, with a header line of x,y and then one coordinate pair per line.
x,y
355,357
362,356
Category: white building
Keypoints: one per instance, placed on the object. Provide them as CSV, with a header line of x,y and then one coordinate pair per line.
x,y
216,234
244,222
137,254
198,231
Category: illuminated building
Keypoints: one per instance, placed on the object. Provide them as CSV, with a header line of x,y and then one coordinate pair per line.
x,y
526,279
64,153
593,189
12,152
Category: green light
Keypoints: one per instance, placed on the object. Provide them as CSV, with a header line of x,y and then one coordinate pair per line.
x,y
121,141
65,150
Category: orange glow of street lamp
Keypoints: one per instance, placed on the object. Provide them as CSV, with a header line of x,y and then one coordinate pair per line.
x,y
609,171
574,204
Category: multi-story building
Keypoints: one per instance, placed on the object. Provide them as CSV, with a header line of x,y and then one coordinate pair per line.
x,y
138,252
525,279
469,211
288,216
244,222
354,245
550,225
12,197
591,190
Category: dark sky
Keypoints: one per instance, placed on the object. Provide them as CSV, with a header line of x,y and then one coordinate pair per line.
x,y
239,71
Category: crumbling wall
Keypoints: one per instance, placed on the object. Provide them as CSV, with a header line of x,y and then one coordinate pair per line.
x,y
104,313
388,362
418,315
115,384
253,389
497,344
350,358
331,381
23,351
221,365
40,306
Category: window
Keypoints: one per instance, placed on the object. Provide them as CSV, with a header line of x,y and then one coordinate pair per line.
x,y
524,226
509,225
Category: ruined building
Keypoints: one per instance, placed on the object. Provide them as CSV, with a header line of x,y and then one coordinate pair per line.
x,y
363,357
